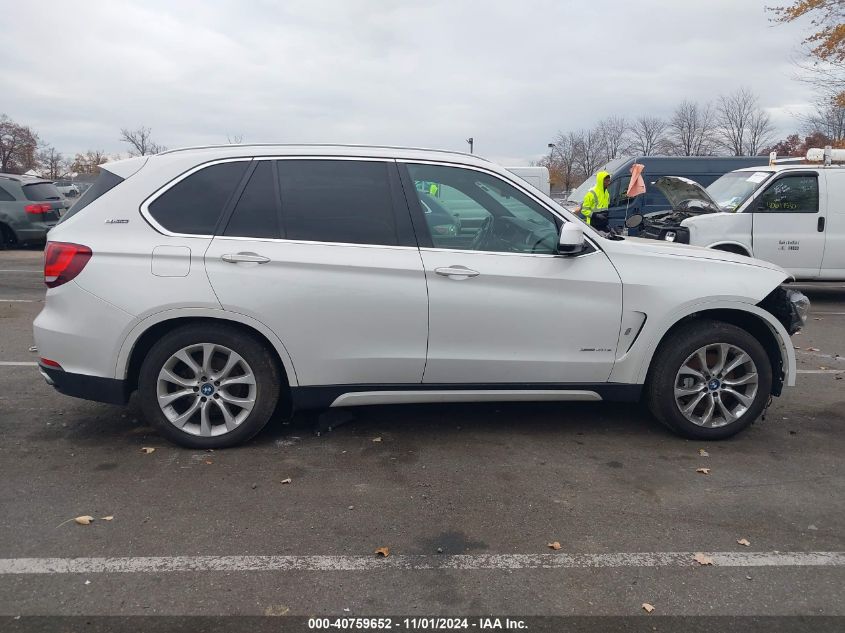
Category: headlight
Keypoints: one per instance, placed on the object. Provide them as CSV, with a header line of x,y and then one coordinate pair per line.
x,y
800,305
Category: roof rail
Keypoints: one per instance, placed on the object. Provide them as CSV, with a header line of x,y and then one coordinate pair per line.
x,y
352,146
826,156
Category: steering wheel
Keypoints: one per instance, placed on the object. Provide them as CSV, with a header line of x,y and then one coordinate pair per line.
x,y
483,234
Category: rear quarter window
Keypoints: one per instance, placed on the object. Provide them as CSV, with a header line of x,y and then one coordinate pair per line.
x,y
193,205
106,181
5,196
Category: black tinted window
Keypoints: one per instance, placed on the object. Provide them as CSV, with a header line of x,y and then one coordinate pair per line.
x,y
106,181
194,204
41,191
5,196
791,194
256,214
337,201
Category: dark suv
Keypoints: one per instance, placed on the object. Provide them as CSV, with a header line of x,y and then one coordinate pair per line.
x,y
29,207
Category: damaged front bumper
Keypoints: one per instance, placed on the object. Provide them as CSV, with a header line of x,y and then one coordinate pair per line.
x,y
790,307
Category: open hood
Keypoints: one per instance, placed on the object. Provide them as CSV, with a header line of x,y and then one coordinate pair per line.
x,y
686,195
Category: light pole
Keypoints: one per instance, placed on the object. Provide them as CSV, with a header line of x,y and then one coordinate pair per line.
x,y
470,140
551,153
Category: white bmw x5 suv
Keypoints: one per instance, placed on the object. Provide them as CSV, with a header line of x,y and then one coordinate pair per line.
x,y
223,283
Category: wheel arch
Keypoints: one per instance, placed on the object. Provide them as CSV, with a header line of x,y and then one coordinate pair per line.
x,y
753,319
142,337
732,247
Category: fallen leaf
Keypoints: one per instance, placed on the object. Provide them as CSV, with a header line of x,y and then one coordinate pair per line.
x,y
108,518
648,607
701,559
147,450
703,453
384,552
276,610
838,377
744,541
84,520
555,545
813,349
822,367
796,347
287,481
377,439
703,471
208,461
816,318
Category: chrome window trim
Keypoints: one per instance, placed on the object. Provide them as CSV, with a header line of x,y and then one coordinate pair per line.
x,y
311,242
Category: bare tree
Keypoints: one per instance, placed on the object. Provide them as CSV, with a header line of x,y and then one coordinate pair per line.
x,y
140,141
691,129
614,132
735,113
829,119
89,162
564,159
760,131
590,151
18,145
52,163
234,139
648,136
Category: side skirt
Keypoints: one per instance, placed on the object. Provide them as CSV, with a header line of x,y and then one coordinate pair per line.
x,y
324,397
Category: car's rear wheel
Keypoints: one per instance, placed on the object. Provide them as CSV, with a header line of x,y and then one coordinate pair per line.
x,y
7,237
709,380
208,386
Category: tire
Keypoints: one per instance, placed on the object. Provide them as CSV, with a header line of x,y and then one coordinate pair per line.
x,y
673,384
7,237
223,414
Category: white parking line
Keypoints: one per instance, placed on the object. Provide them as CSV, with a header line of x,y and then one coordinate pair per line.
x,y
8,363
821,371
158,564
21,270
19,300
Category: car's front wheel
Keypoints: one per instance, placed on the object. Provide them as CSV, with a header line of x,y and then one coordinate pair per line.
x,y
709,380
208,386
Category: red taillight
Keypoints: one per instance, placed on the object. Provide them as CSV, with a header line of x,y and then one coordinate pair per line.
x,y
50,363
63,261
38,209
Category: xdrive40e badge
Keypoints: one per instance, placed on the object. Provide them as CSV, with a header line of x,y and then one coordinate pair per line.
x,y
116,221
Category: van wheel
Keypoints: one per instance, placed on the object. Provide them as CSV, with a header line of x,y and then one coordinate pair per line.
x,y
208,386
709,380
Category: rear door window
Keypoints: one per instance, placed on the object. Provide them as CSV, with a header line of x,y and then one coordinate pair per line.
x,y
346,201
256,213
193,205
5,196
41,191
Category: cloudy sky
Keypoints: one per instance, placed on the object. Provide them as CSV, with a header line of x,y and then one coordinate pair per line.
x,y
509,73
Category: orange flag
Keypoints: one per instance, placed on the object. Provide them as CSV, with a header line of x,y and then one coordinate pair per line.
x,y
637,185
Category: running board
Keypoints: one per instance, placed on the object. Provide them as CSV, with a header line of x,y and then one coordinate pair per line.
x,y
365,398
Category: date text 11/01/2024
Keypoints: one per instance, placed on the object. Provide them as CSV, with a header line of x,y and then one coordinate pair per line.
x,y
417,623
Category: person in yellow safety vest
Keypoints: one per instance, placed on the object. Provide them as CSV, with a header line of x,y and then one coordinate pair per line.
x,y
597,198
432,190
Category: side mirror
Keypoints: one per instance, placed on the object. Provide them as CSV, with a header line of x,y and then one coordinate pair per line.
x,y
634,221
571,240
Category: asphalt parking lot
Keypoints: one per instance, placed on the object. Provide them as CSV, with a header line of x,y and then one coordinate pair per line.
x,y
467,499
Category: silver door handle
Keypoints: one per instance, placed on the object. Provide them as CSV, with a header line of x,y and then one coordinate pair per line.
x,y
253,258
457,271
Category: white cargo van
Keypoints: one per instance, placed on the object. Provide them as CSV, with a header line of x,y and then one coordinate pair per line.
x,y
537,177
790,214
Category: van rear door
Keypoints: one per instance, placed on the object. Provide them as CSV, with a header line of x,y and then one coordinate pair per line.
x,y
833,262
789,222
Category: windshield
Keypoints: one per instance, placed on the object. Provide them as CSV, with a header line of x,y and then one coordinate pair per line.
x,y
581,190
734,188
